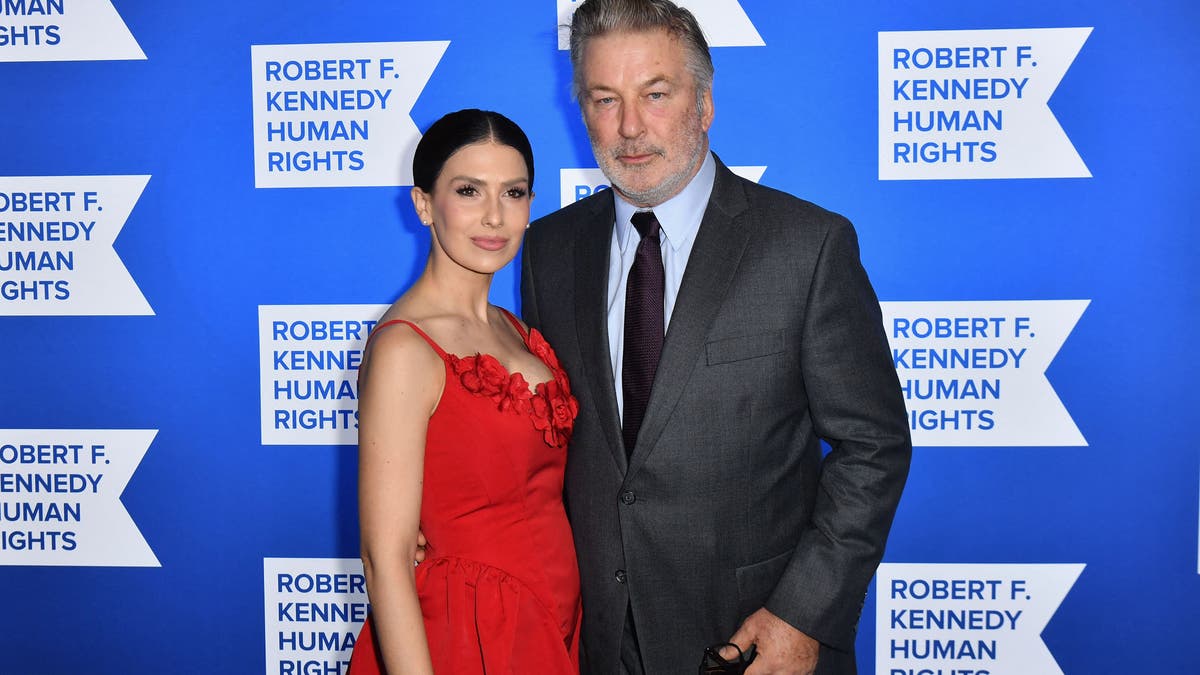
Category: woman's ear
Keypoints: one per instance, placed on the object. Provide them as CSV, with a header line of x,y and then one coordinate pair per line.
x,y
423,203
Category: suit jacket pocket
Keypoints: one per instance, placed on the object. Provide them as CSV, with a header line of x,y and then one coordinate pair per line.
x,y
755,582
744,347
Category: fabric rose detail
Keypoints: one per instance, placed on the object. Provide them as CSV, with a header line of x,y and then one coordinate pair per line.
x,y
516,395
554,410
542,350
493,377
551,406
482,374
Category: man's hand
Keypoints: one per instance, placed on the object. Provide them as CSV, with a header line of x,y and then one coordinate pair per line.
x,y
419,556
782,650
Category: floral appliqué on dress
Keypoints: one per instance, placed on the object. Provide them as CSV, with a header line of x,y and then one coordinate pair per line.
x,y
550,405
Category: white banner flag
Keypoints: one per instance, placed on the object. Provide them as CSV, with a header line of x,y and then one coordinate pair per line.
x,y
56,246
314,609
973,104
65,30
974,373
338,115
952,618
60,497
308,365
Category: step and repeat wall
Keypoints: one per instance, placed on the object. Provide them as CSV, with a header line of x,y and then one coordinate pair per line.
x,y
204,208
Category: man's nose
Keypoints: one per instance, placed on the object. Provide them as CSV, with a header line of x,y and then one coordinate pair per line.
x,y
632,124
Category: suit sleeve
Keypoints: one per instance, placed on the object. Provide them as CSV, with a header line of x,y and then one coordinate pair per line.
x,y
529,310
856,407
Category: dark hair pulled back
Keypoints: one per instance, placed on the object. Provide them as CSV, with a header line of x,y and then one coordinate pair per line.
x,y
458,129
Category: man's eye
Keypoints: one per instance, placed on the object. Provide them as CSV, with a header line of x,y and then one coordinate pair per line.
x,y
656,95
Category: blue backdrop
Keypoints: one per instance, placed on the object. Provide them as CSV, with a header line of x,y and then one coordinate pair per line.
x,y
218,502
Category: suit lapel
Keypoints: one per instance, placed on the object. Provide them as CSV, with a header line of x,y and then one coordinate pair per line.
x,y
591,319
715,256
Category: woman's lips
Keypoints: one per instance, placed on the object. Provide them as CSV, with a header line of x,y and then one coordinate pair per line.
x,y
489,243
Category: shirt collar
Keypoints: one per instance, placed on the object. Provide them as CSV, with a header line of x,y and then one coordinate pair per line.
x,y
679,217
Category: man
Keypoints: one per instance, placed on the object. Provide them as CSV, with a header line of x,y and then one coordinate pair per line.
x,y
704,511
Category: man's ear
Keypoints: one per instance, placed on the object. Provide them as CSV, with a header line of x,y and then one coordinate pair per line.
x,y
706,109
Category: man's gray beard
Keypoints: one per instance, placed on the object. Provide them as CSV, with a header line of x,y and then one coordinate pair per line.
x,y
658,194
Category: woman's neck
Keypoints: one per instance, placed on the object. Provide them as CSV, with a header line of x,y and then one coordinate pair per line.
x,y
456,291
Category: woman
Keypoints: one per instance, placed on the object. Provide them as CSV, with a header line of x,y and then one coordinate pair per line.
x,y
455,443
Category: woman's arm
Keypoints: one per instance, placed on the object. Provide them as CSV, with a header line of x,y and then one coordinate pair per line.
x,y
400,382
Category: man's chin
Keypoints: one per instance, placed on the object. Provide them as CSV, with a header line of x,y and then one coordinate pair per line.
x,y
639,185
629,188
640,198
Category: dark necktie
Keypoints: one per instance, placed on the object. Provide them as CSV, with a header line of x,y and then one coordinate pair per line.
x,y
643,326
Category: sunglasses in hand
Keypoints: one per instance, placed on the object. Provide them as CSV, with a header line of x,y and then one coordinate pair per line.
x,y
715,664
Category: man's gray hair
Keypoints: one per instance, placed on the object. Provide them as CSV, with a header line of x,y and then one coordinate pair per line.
x,y
595,18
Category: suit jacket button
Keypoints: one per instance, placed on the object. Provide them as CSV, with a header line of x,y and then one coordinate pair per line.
x,y
620,576
627,497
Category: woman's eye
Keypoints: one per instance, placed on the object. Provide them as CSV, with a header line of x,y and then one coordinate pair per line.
x,y
467,191
517,193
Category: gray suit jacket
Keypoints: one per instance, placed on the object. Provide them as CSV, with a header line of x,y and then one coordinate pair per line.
x,y
728,505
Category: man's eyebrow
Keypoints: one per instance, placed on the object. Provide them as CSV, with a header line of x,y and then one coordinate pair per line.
x,y
652,82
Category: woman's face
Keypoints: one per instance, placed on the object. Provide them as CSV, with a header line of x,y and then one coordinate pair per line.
x,y
479,206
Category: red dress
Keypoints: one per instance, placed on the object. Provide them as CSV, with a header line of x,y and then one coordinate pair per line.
x,y
499,588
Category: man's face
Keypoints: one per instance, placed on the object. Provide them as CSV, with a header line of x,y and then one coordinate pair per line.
x,y
648,131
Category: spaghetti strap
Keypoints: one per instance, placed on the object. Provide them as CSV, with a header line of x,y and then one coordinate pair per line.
x,y
437,348
516,323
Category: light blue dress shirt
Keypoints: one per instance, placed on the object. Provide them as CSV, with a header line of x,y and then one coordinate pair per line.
x,y
679,217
